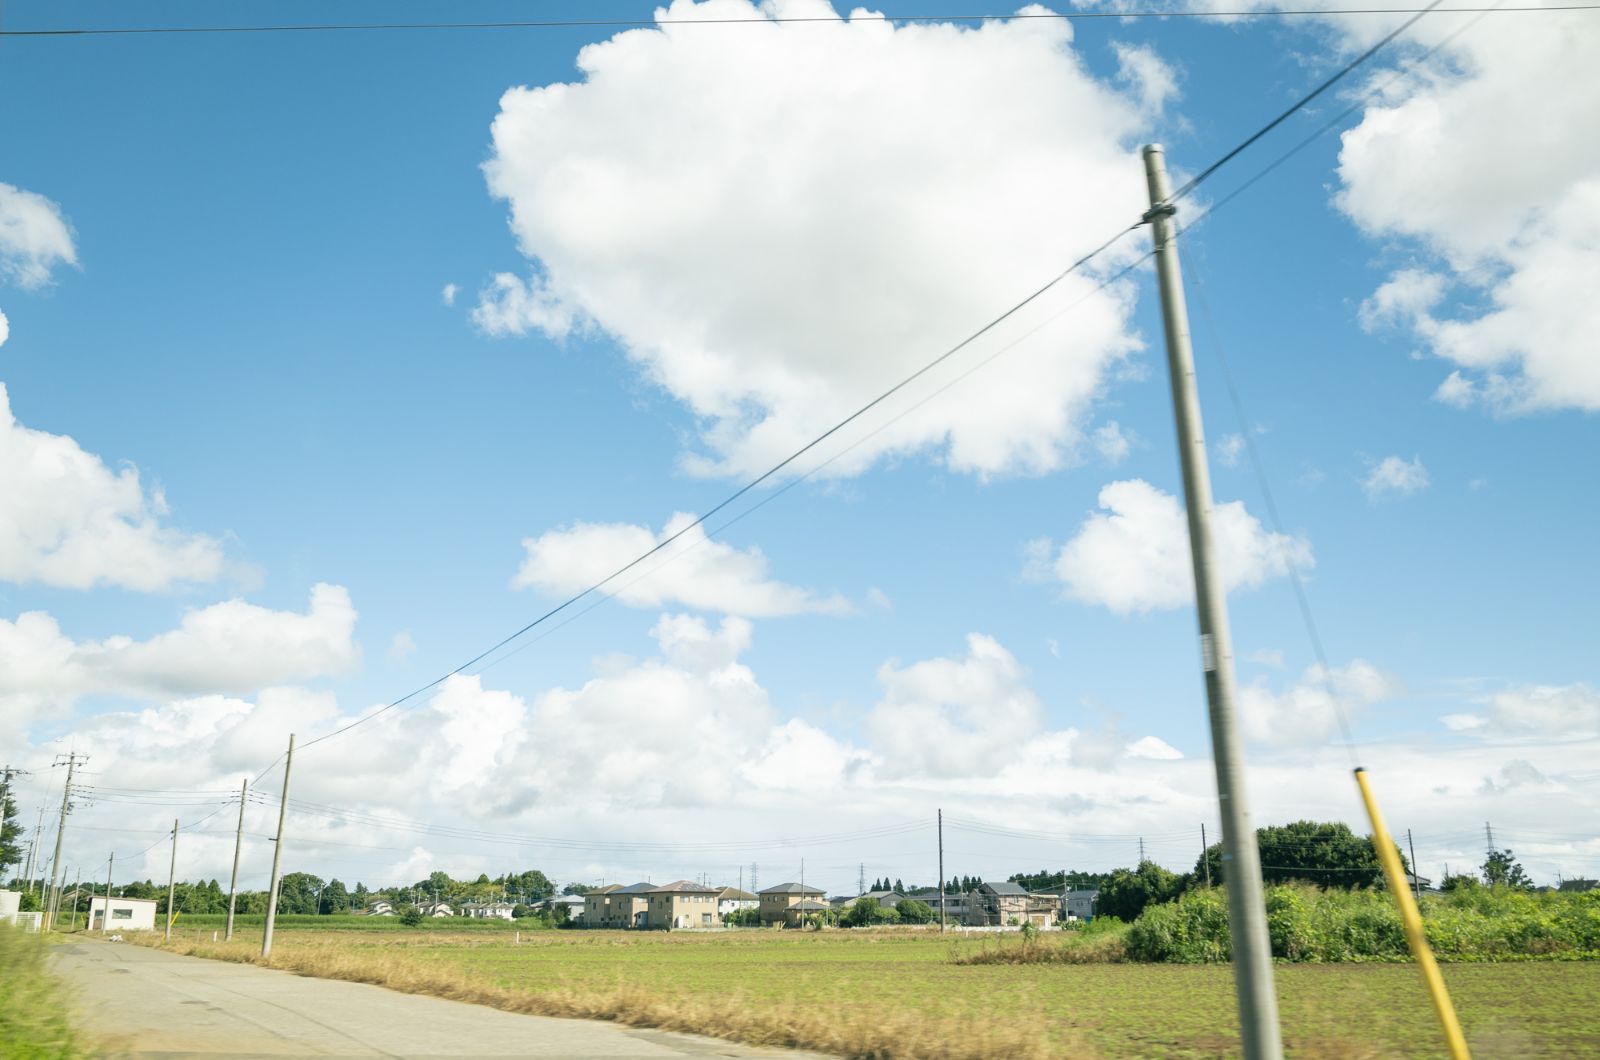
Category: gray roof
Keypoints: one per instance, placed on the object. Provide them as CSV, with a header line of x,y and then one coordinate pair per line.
x,y
635,888
1004,887
809,906
881,895
791,888
733,894
683,887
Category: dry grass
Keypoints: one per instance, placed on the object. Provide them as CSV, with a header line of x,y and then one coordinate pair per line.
x,y
1092,949
865,1032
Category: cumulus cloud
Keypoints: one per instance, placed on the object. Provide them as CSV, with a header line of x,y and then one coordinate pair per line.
x,y
1505,210
448,293
693,571
1133,555
1307,711
232,646
1112,442
70,521
1229,446
857,197
1534,710
1393,476
5,329
34,238
954,717
401,646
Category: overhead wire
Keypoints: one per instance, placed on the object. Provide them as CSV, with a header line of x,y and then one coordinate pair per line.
x,y
870,17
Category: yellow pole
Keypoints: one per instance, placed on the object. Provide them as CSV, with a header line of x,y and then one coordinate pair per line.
x,y
1412,919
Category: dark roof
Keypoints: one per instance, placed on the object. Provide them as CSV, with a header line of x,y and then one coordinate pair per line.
x,y
790,888
734,894
809,906
635,888
881,895
1004,887
683,887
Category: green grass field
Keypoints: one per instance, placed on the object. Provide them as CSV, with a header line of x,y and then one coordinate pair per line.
x,y
896,978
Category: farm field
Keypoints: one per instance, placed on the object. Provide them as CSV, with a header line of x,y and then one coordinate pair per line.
x,y
897,994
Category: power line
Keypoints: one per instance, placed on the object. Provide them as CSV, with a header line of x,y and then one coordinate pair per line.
x,y
647,23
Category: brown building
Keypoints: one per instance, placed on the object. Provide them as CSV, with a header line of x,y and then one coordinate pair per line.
x,y
775,901
683,905
615,906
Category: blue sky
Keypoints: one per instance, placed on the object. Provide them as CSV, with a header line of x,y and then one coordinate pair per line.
x,y
263,226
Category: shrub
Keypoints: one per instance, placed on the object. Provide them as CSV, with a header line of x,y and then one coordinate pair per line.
x,y
33,1024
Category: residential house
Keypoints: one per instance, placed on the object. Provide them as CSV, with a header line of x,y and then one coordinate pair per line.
x,y
775,901
956,904
998,904
488,910
683,905
1079,905
731,900
887,899
379,907
614,906
436,909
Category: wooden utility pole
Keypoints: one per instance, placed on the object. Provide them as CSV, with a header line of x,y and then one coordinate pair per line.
x,y
172,880
1247,919
941,870
277,855
53,895
233,881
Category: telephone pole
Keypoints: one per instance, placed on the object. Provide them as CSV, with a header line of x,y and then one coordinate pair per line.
x,y
941,871
1205,854
1247,921
861,879
172,880
277,855
1488,835
33,848
105,914
1141,850
233,881
52,896
1416,882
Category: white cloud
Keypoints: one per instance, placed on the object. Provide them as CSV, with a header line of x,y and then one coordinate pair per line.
x,y
1505,209
34,238
1133,556
1229,446
954,717
1112,442
1395,476
1548,711
694,571
448,294
854,199
1306,712
228,647
1457,391
69,521
401,646
5,329
1154,747
1139,67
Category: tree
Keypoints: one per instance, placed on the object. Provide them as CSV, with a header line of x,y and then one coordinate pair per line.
x,y
1127,892
576,889
899,887
1458,882
1326,854
532,886
335,899
912,911
867,912
1500,869
10,829
297,893
411,917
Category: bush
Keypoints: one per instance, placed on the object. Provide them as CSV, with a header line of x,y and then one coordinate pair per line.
x,y
1126,894
411,917
912,911
1307,924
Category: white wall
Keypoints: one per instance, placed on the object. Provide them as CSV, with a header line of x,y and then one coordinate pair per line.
x,y
127,914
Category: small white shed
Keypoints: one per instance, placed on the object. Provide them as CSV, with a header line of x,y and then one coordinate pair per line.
x,y
127,914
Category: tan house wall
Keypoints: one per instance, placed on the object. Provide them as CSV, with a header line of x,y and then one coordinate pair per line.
x,y
774,907
684,911
612,910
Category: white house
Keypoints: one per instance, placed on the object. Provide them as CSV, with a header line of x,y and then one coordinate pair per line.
x,y
380,908
487,910
436,909
731,900
1079,905
127,914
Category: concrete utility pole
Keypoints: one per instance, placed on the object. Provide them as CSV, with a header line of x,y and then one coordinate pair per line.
x,y
1488,836
233,881
105,914
1247,920
941,870
53,896
1141,850
77,891
33,848
172,879
277,855
1205,855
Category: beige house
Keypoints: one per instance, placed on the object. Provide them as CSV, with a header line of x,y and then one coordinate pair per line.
x,y
795,915
615,906
683,905
775,901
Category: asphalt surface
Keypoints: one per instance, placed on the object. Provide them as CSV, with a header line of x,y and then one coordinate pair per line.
x,y
138,1002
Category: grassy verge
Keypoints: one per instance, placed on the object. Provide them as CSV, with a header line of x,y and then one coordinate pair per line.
x,y
902,995
33,1022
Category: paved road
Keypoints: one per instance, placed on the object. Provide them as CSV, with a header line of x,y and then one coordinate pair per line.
x,y
140,1002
